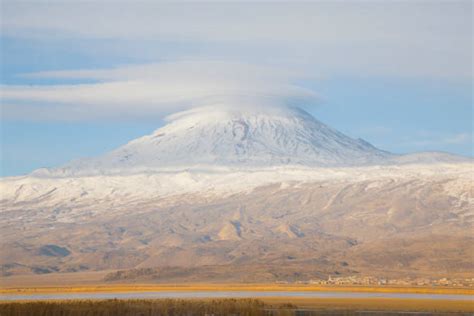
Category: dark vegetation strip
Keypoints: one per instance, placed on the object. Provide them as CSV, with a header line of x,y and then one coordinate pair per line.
x,y
175,307
161,307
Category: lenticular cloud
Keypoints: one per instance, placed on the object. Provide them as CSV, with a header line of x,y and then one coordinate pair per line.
x,y
154,89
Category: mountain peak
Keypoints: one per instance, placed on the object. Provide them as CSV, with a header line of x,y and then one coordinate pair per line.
x,y
224,136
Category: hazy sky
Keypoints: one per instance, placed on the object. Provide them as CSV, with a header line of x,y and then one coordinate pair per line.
x,y
80,78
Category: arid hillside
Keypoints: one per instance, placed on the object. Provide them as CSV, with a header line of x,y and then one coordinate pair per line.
x,y
416,221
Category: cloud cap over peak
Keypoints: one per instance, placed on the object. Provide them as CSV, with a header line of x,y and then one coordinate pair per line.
x,y
153,90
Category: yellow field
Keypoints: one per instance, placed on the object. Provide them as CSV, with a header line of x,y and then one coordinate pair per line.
x,y
228,287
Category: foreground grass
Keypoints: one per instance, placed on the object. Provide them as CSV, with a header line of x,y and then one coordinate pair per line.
x,y
165,307
249,307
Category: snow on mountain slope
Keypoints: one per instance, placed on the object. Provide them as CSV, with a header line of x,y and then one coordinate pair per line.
x,y
219,151
105,191
225,137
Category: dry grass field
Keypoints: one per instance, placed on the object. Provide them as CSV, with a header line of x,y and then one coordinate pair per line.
x,y
267,306
374,304
249,307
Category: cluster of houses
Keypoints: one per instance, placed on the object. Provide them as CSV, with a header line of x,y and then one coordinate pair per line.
x,y
369,280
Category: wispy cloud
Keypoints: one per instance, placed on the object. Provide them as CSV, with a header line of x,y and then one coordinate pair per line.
x,y
461,138
436,139
376,129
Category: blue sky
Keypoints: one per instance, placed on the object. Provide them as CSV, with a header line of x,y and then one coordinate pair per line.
x,y
398,75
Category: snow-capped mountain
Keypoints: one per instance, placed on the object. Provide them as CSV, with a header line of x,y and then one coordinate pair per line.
x,y
261,189
226,137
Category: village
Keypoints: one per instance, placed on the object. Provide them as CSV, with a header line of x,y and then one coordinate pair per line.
x,y
370,280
